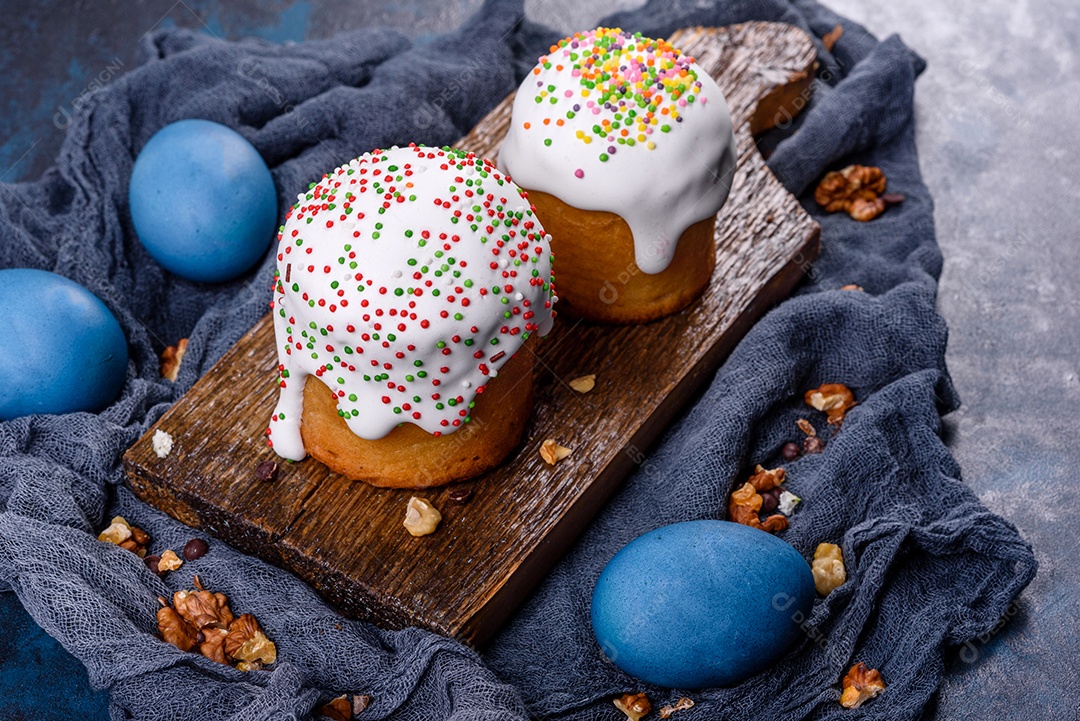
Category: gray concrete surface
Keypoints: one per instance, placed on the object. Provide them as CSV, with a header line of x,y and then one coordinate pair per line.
x,y
1000,149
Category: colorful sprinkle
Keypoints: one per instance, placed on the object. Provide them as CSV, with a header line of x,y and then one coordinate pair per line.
x,y
365,328
628,83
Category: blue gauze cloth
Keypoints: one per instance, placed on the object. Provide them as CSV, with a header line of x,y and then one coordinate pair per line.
x,y
928,566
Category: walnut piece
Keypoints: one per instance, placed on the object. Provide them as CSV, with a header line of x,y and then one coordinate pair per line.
x,y
829,39
174,628
861,684
812,443
765,480
866,209
680,705
129,537
140,536
247,642
201,618
421,518
835,399
855,190
171,358
169,561
340,709
634,705
745,503
584,384
828,568
552,452
202,608
360,702
213,644
118,531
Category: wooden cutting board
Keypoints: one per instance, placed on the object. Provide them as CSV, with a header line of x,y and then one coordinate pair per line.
x,y
346,538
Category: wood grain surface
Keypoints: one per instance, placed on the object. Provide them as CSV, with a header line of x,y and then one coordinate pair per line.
x,y
346,538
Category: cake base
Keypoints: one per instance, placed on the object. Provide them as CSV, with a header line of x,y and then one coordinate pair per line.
x,y
597,277
409,456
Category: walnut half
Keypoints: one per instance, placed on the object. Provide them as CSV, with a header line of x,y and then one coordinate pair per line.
x,y
855,190
861,684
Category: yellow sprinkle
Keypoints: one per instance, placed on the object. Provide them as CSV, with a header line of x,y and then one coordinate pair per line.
x,y
579,134
641,138
650,145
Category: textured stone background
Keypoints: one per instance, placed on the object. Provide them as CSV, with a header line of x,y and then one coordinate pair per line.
x,y
999,149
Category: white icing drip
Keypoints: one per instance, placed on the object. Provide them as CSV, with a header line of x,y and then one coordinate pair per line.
x,y
661,192
321,316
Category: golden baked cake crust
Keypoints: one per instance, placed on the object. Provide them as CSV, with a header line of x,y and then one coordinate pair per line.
x,y
598,278
410,457
625,146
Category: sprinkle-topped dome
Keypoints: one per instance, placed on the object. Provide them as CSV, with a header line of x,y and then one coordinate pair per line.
x,y
405,279
614,121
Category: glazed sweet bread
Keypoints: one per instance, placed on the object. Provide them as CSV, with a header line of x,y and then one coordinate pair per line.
x,y
626,149
409,285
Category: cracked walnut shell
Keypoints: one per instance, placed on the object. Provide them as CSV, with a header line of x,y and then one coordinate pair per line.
x,y
855,190
860,684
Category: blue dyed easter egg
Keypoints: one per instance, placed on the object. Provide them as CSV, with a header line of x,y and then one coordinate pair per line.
x,y
202,201
701,604
62,350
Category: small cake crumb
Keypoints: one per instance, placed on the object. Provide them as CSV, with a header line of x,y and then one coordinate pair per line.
x,y
163,443
552,452
421,518
584,384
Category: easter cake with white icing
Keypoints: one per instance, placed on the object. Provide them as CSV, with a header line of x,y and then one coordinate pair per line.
x,y
410,283
626,149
